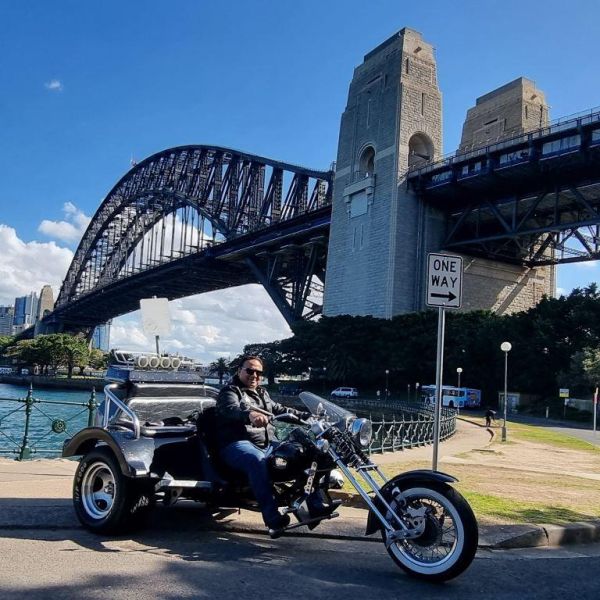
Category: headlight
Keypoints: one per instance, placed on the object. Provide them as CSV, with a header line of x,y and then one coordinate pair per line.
x,y
362,431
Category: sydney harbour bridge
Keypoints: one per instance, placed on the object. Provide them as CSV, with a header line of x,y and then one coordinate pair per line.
x,y
195,219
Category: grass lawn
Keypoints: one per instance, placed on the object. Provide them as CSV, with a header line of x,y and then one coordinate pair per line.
x,y
538,476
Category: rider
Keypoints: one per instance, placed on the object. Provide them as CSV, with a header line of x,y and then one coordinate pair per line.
x,y
245,434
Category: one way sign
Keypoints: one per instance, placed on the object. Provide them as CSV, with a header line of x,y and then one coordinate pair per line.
x,y
444,280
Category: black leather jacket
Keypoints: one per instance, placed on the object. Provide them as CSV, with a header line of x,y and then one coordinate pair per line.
x,y
234,405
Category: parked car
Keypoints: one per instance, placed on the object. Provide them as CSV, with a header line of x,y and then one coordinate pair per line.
x,y
344,392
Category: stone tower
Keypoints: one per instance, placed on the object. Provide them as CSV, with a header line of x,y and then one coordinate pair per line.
x,y
508,111
380,232
378,236
514,108
46,302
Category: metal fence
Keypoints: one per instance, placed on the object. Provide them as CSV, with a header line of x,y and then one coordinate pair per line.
x,y
28,427
410,431
403,425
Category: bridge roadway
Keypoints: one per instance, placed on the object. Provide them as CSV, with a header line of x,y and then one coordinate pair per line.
x,y
531,200
239,261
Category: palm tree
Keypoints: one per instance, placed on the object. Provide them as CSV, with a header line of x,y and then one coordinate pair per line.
x,y
219,366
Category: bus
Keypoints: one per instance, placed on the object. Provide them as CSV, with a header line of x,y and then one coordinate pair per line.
x,y
452,397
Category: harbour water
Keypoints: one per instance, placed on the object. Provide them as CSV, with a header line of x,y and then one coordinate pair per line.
x,y
55,415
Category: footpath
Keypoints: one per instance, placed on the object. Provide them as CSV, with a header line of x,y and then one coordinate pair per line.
x,y
36,494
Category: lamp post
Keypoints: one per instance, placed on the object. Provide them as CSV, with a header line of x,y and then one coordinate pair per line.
x,y
408,392
417,391
506,348
458,372
324,378
387,374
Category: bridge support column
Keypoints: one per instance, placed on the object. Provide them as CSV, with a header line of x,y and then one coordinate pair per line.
x,y
379,231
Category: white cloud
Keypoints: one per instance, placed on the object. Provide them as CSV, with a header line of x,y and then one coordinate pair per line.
x,y
208,326
54,85
69,230
27,266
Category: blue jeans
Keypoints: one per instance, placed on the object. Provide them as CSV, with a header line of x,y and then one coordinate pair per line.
x,y
246,457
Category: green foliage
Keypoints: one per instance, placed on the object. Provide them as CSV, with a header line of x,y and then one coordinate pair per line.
x,y
51,351
5,341
546,340
220,367
98,359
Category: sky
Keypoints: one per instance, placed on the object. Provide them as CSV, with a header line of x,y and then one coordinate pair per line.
x,y
87,87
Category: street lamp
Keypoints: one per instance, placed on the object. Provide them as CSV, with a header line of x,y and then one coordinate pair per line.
x,y
506,348
417,391
387,374
458,371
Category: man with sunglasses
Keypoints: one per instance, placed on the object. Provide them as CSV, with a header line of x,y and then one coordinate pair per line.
x,y
244,434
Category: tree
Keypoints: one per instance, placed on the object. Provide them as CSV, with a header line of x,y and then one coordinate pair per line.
x,y
98,359
75,351
591,366
5,342
219,366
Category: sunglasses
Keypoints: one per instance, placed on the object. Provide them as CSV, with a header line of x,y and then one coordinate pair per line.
x,y
253,372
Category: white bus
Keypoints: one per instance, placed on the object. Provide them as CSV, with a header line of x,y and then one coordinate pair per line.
x,y
452,397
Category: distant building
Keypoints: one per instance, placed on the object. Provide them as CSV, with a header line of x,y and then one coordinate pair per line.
x,y
26,310
101,337
7,314
46,302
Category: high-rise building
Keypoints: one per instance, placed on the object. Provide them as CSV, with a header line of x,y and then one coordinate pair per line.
x,y
101,337
26,310
6,320
46,302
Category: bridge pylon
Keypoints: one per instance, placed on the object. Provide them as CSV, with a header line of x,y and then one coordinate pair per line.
x,y
381,227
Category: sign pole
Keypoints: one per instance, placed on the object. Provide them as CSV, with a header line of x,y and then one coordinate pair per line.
x,y
439,368
595,408
444,290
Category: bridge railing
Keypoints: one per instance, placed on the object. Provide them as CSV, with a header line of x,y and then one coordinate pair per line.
x,y
27,426
586,117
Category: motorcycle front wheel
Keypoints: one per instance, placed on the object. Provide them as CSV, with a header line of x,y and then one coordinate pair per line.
x,y
448,542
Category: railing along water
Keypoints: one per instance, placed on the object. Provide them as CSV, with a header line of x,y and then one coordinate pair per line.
x,y
402,425
46,440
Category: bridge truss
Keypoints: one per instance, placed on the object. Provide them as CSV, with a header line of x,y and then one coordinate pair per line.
x,y
200,218
531,200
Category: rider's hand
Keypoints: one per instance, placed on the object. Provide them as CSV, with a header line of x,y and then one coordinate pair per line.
x,y
258,419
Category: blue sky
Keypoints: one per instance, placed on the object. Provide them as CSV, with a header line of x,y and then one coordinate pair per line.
x,y
86,87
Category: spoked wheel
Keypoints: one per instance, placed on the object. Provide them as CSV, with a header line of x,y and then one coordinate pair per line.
x,y
105,500
448,539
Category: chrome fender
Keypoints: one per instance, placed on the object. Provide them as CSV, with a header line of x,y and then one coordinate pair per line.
x,y
404,480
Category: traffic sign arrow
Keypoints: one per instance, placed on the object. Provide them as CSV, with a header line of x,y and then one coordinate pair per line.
x,y
444,280
449,296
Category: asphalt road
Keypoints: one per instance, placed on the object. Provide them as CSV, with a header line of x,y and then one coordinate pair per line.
x,y
73,564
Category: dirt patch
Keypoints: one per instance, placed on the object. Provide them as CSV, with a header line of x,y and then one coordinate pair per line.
x,y
514,481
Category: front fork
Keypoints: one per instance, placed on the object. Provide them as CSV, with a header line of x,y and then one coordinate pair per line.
x,y
392,533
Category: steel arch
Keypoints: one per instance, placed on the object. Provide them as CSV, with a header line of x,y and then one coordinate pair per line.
x,y
236,192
